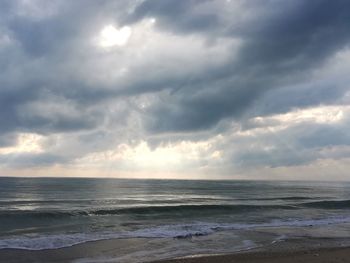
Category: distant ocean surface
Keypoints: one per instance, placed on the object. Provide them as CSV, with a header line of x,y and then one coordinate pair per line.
x,y
198,216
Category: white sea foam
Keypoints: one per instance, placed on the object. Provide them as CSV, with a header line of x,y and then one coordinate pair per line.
x,y
164,231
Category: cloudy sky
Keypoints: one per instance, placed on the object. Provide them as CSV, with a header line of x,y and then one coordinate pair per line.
x,y
255,89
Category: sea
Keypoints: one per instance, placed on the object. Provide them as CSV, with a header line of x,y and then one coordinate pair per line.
x,y
178,217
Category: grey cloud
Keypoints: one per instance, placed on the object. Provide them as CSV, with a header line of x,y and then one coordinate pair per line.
x,y
284,99
275,158
319,136
277,47
51,34
17,114
25,160
33,69
176,15
7,140
280,52
299,144
198,112
38,38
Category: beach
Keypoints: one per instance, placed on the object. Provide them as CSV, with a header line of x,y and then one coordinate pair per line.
x,y
109,250
334,255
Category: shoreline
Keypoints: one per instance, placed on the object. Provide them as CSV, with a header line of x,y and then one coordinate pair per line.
x,y
321,255
291,251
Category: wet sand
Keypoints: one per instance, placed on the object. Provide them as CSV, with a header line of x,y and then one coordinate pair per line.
x,y
109,250
331,255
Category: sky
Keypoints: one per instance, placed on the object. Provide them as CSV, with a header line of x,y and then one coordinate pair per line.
x,y
188,89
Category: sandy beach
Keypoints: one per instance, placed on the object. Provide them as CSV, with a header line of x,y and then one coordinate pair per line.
x,y
109,250
334,255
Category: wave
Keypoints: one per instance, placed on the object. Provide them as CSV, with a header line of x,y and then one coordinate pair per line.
x,y
36,201
81,200
332,204
142,210
173,210
27,214
187,208
178,231
287,198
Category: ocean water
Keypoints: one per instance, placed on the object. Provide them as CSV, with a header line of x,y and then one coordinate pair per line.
x,y
186,217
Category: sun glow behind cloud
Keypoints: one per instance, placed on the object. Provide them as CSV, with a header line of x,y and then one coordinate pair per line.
x,y
26,143
174,157
111,36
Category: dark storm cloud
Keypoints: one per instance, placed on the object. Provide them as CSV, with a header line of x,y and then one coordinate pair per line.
x,y
176,15
17,114
298,144
278,49
319,136
32,65
9,101
191,112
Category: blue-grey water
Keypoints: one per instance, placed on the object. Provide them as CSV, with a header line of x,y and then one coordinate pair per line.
x,y
47,213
